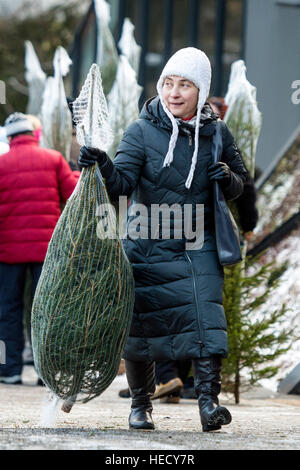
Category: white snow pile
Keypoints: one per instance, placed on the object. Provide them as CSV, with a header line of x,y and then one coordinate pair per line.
x,y
288,292
270,199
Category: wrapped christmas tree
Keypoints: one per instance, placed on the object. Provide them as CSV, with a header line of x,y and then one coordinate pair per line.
x,y
243,116
36,79
128,46
107,55
123,102
55,114
244,120
84,299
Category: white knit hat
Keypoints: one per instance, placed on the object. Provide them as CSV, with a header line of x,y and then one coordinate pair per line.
x,y
194,65
17,123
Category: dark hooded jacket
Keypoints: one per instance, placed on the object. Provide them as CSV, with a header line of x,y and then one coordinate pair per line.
x,y
178,312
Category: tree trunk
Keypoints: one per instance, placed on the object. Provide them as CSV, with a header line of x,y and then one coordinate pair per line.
x,y
237,387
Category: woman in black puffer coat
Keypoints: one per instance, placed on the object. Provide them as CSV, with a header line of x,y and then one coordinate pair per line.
x,y
165,158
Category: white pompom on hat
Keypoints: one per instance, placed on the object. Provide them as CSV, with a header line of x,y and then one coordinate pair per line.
x,y
194,65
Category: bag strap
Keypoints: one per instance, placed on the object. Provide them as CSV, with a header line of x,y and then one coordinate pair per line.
x,y
227,232
217,144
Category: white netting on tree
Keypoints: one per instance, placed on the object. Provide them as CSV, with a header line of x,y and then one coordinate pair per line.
x,y
84,299
123,102
36,79
129,47
90,113
243,116
107,55
55,114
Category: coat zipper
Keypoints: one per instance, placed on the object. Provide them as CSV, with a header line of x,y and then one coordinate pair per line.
x,y
193,275
196,300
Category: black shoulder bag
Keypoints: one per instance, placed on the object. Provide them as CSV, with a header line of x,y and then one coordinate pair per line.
x,y
227,232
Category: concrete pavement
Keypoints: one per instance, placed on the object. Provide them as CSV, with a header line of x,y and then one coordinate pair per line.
x,y
260,422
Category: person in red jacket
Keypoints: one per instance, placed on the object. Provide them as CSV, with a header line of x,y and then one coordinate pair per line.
x,y
33,183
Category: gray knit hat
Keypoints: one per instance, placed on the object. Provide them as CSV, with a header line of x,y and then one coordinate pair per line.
x,y
194,65
17,123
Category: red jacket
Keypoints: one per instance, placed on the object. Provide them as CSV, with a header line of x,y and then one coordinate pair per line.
x,y
33,182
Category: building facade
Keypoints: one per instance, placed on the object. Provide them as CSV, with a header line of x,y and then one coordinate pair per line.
x,y
272,56
265,33
164,26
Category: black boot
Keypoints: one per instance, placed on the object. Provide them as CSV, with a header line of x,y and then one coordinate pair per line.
x,y
208,386
141,381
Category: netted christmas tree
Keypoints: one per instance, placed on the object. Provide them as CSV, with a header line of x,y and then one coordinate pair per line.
x,y
244,120
84,299
128,46
123,102
242,116
55,114
124,96
36,79
107,55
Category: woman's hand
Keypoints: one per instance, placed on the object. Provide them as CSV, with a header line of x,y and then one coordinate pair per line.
x,y
219,172
89,156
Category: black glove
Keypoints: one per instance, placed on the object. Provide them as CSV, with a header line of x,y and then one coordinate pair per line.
x,y
220,172
89,156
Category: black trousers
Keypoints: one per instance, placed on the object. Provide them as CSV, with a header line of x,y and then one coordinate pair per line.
x,y
12,283
168,370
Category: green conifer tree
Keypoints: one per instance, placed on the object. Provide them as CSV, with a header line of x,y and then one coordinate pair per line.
x,y
255,340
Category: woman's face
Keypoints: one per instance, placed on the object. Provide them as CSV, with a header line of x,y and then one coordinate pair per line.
x,y
180,96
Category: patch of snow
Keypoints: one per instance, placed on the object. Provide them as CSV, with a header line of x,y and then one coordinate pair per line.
x,y
49,411
287,292
271,199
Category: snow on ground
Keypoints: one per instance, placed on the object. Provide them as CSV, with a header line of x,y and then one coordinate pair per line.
x,y
288,292
270,200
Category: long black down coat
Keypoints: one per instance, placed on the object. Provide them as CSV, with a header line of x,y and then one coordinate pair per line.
x,y
178,312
